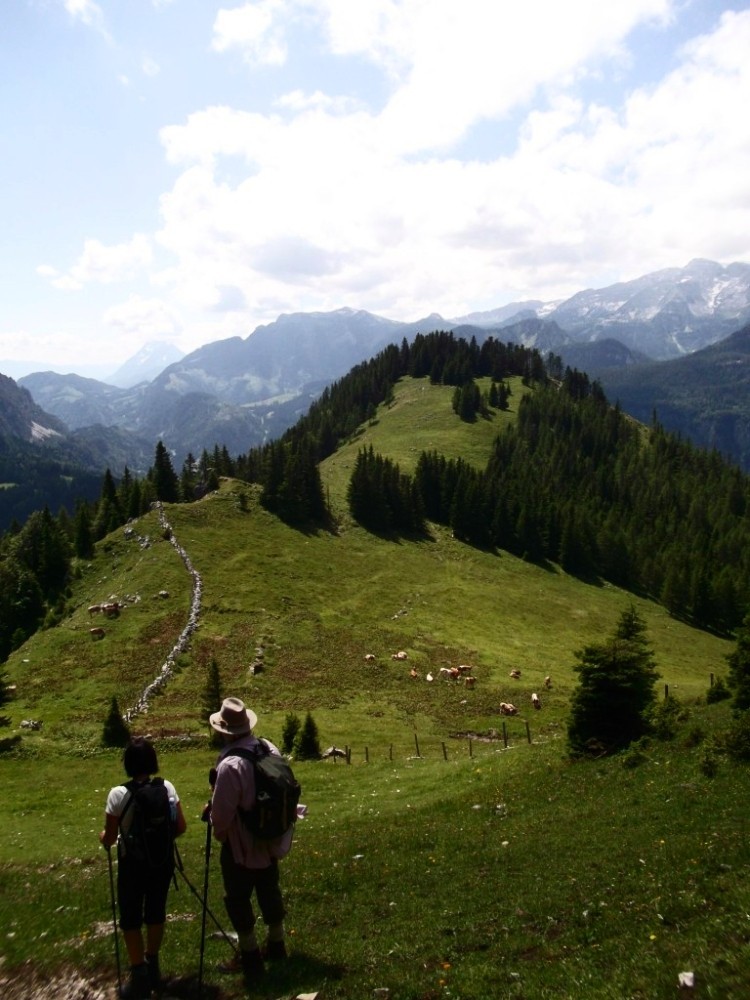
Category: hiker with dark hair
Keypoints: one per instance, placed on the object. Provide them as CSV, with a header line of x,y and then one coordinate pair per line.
x,y
248,863
143,816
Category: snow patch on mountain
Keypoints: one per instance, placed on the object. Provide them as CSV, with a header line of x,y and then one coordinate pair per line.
x,y
40,433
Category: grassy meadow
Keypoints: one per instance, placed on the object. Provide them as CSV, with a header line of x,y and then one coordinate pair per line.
x,y
439,863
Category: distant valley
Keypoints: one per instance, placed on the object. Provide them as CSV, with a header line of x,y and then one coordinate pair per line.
x,y
668,340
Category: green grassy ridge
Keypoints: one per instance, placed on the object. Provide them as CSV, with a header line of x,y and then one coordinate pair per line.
x,y
318,603
420,418
472,916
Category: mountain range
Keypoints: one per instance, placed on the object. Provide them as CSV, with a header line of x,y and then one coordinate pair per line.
x,y
643,339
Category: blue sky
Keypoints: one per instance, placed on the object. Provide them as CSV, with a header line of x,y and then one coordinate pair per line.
x,y
185,170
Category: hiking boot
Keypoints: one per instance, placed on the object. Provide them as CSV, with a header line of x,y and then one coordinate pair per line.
x,y
139,987
252,965
275,951
249,963
154,973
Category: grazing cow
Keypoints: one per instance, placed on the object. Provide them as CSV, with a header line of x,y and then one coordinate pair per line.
x,y
548,682
401,655
449,673
31,724
470,681
507,709
413,673
429,677
464,669
535,700
94,609
515,674
111,610
369,658
97,633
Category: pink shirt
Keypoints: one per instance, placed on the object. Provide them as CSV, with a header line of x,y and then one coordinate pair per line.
x,y
235,786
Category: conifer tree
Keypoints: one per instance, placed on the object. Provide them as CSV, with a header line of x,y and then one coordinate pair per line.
x,y
115,732
307,744
164,478
188,478
108,511
3,686
609,708
123,492
83,539
289,733
212,697
739,668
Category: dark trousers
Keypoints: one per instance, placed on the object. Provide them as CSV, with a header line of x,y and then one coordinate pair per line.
x,y
239,885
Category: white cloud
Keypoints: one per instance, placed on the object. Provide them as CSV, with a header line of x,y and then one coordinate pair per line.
x,y
299,100
149,66
342,206
102,264
89,13
255,30
326,201
141,320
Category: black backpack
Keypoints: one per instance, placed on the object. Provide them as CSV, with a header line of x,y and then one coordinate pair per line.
x,y
150,836
277,793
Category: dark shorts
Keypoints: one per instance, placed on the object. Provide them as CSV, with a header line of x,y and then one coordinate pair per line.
x,y
142,894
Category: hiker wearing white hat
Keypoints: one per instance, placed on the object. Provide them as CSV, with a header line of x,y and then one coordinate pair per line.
x,y
248,864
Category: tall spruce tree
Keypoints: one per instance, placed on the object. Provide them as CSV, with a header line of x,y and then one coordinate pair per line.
x,y
609,708
164,478
83,540
212,697
739,668
307,743
115,732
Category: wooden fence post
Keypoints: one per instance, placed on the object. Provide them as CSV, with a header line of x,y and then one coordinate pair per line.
x,y
348,751
445,753
528,733
471,748
367,755
390,752
666,691
505,735
416,744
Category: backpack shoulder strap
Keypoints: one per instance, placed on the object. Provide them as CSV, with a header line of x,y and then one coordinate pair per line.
x,y
260,750
131,786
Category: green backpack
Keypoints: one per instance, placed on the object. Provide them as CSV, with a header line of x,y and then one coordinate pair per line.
x,y
277,793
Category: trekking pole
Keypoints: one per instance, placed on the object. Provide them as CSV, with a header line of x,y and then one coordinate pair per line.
x,y
181,869
207,817
114,920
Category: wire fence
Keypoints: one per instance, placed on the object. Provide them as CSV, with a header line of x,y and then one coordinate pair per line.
x,y
463,745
